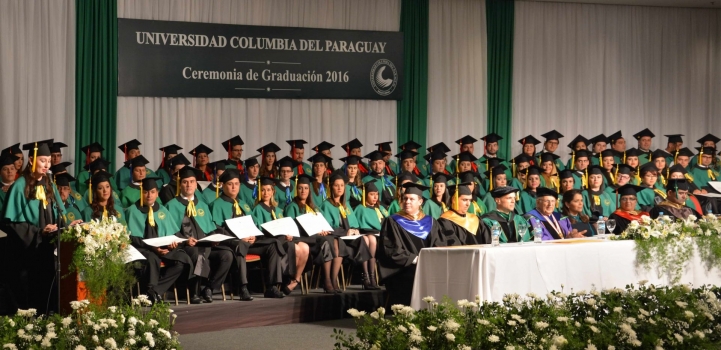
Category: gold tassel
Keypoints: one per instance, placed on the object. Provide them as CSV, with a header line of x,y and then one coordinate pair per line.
x,y
710,175
327,190
295,188
700,154
596,199
217,189
342,211
190,209
675,155
272,213
584,178
236,207
151,217
624,157
40,195
363,200
141,193
476,209
513,168
105,213
380,215
90,192
444,207
35,155
309,210
615,176
177,184
490,177
573,160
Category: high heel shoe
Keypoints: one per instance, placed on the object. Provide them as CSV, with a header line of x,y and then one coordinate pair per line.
x,y
287,290
374,282
329,289
367,282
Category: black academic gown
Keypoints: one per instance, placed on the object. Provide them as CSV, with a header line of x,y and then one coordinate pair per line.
x,y
387,195
456,235
398,248
321,247
675,212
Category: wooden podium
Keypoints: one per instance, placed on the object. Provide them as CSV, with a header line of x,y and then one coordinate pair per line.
x,y
70,289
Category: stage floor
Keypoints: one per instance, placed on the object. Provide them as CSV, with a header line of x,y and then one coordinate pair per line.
x,y
295,308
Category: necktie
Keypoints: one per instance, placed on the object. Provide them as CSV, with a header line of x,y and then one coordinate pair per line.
x,y
151,217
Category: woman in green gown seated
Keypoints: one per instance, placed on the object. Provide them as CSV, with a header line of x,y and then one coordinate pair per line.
x,y
370,215
440,198
497,178
597,201
401,179
572,208
319,188
267,210
527,197
102,202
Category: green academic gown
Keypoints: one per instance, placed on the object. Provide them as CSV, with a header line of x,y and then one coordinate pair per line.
x,y
222,209
131,194
478,207
209,193
332,214
643,158
368,218
307,169
384,184
517,184
3,195
123,177
353,195
203,215
526,203
578,180
598,201
292,210
163,175
321,196
489,202
164,222
508,223
646,198
249,192
702,175
19,209
433,208
72,213
87,215
80,182
283,195
394,207
116,198
261,215
559,163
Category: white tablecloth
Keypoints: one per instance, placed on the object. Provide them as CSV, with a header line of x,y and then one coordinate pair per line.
x,y
491,272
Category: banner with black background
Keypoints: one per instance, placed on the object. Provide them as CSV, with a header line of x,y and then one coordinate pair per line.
x,y
189,59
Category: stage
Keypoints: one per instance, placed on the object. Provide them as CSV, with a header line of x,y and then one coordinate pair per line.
x,y
295,308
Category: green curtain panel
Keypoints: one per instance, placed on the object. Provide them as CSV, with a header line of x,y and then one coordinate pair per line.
x,y
499,22
96,77
413,108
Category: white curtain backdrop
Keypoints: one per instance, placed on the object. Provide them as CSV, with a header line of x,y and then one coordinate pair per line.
x,y
37,72
157,122
591,69
456,70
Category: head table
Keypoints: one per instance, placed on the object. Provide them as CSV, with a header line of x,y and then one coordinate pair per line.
x,y
572,265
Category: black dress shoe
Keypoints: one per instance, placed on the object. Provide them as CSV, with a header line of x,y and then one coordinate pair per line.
x,y
196,300
245,294
273,292
207,295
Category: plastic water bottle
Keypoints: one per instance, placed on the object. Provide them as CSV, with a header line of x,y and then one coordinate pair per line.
x,y
495,235
601,228
537,233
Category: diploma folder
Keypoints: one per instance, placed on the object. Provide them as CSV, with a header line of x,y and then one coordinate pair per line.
x,y
282,227
313,224
243,227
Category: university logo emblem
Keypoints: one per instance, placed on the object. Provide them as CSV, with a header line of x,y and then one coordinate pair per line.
x,y
201,212
384,77
161,216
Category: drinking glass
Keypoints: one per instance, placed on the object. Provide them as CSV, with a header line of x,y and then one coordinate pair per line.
x,y
522,230
610,225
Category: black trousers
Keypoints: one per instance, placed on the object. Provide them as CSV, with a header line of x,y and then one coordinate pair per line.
x,y
400,286
161,281
269,254
220,262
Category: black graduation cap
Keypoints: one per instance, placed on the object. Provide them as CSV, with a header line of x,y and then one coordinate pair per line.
x,y
647,168
677,184
578,139
633,152
230,174
297,144
465,140
414,188
503,191
674,138
370,186
170,149
464,190
467,176
60,167
659,153
271,147
599,138
323,146
14,149
221,165
623,169
91,148
705,150
529,139
319,158
43,147
433,156
492,162
565,174
685,152
98,164
677,168
265,181
643,133
406,154
548,157
249,162
385,146
465,157
353,160
439,147
188,172
595,169
129,146
136,162
410,145
615,136
303,179
493,137
546,192
521,158
499,169
531,170
403,177
440,177
337,175
708,137
179,159
149,183
629,190
63,179
609,153
552,135
582,154
233,141
7,159
55,148
287,162
373,156
351,145
201,148
99,177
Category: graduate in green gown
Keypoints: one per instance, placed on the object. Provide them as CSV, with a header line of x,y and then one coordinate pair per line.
x,y
62,182
370,215
377,175
214,189
683,158
708,140
618,144
19,158
679,172
518,177
439,148
673,146
497,178
565,177
284,187
465,144
353,148
490,151
622,175
131,193
147,219
391,167
580,174
92,152
505,217
123,177
658,158
704,171
75,199
33,216
599,143
234,147
644,138
632,159
201,161
437,163
409,150
440,199
266,210
354,187
579,143
7,176
528,147
269,160
325,148
249,187
597,202
172,189
320,188
527,197
102,203
471,180
650,196
549,172
550,145
96,166
297,153
165,171
608,162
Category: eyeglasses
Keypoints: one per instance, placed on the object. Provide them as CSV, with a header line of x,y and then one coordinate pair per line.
x,y
630,199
